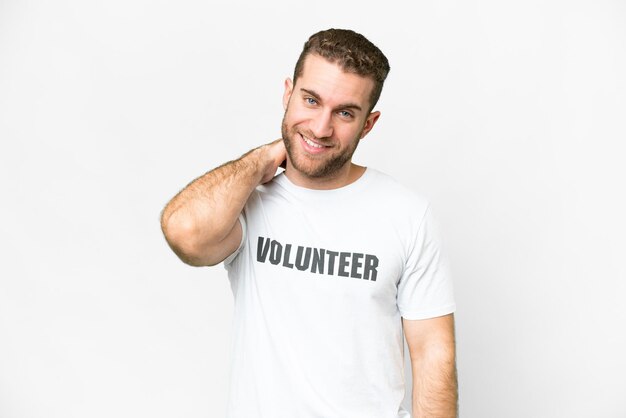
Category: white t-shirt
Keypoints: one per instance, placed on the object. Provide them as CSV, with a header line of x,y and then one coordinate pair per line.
x,y
320,283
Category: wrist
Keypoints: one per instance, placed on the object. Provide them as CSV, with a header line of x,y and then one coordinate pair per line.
x,y
258,163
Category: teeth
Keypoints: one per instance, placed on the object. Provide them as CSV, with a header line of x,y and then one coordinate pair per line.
x,y
311,143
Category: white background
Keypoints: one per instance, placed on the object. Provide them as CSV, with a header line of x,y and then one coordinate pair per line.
x,y
508,116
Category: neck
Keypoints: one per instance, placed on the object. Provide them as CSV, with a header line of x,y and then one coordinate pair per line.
x,y
348,174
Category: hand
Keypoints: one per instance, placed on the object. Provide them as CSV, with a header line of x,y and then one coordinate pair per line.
x,y
274,156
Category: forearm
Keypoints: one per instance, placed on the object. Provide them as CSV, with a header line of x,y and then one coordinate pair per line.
x,y
205,212
435,390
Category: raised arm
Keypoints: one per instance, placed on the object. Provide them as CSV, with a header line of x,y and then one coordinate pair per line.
x,y
433,363
201,222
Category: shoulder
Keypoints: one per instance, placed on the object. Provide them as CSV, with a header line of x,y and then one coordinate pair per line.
x,y
396,193
272,191
273,186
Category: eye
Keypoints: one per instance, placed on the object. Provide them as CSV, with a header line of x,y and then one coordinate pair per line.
x,y
310,101
345,114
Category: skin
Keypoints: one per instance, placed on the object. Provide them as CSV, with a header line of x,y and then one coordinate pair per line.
x,y
330,108
432,349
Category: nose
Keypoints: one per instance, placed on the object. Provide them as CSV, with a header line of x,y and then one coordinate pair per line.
x,y
321,125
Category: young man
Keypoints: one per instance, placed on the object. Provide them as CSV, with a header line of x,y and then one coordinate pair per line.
x,y
330,262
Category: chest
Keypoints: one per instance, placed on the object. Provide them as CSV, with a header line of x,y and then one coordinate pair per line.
x,y
353,243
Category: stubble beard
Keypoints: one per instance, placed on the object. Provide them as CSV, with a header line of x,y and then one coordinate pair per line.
x,y
315,168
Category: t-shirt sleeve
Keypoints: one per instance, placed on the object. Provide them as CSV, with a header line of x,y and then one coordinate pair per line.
x,y
244,230
425,287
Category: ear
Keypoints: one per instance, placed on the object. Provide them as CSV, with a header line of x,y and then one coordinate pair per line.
x,y
369,123
287,93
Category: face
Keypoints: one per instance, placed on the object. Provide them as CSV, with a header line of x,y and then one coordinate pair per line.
x,y
326,114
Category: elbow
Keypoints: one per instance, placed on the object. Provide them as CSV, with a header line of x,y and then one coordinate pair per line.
x,y
182,237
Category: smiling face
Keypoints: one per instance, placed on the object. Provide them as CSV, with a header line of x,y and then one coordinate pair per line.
x,y
326,114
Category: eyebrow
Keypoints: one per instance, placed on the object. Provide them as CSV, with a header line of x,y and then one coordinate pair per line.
x,y
319,99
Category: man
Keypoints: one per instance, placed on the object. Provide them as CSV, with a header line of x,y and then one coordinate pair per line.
x,y
329,262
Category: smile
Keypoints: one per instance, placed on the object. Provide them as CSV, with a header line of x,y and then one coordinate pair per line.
x,y
312,143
